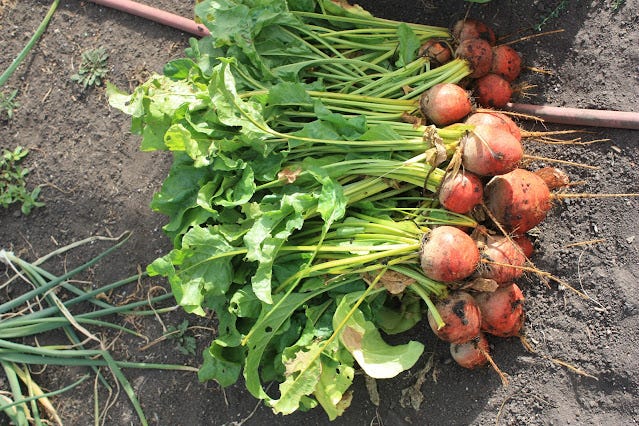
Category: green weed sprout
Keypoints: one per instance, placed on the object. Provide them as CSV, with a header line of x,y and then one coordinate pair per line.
x,y
93,68
8,103
13,181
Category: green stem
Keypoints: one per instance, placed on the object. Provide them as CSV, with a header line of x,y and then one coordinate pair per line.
x,y
331,49
45,395
372,22
7,306
5,323
426,298
20,413
393,78
16,352
34,39
351,261
453,77
30,327
34,270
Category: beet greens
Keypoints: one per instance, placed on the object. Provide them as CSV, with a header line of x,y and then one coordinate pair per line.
x,y
298,188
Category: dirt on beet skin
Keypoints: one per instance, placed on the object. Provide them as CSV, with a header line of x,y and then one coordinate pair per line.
x,y
95,181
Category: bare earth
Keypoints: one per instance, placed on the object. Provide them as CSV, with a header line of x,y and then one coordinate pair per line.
x,y
96,182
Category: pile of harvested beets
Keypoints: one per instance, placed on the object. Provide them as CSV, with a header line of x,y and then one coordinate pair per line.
x,y
337,176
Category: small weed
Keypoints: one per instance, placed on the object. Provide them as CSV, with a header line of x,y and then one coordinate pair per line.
x,y
93,68
554,14
12,181
8,103
185,344
617,4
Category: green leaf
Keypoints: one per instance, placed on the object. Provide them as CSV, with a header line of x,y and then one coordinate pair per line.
x,y
244,303
240,190
302,375
232,23
130,104
342,8
329,126
346,128
93,67
332,202
287,265
179,138
233,111
332,390
282,50
180,69
380,132
269,232
201,268
313,367
153,106
399,314
221,364
288,94
13,185
336,363
180,198
204,54
361,337
409,44
227,333
266,168
302,5
271,319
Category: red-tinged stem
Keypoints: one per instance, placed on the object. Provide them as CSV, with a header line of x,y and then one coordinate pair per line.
x,y
156,15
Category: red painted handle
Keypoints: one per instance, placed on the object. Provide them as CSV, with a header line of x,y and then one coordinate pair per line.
x,y
156,15
579,117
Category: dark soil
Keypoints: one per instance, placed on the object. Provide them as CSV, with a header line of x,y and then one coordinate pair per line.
x,y
96,182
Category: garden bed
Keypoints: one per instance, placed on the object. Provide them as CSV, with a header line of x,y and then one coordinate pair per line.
x,y
95,181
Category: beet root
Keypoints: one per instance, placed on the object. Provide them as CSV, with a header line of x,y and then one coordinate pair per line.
x,y
437,51
495,119
505,252
461,192
490,151
445,103
471,354
461,316
492,91
525,244
472,28
553,177
502,311
479,55
506,62
448,254
518,200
